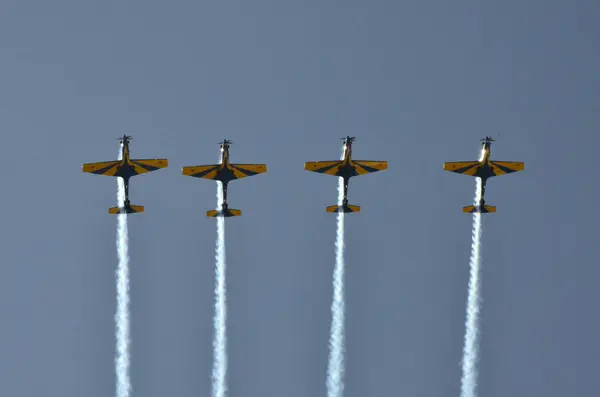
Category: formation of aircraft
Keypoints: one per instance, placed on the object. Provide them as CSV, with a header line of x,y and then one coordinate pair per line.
x,y
224,172
484,169
346,168
125,168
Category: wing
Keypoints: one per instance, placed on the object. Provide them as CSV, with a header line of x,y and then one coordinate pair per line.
x,y
507,167
463,167
324,167
202,171
364,167
141,166
244,170
108,168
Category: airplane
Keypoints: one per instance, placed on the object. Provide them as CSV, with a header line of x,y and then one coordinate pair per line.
x,y
345,168
125,168
484,169
224,172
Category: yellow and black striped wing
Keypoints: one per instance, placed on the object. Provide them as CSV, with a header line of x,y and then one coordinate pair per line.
x,y
364,167
141,166
202,171
506,167
324,167
243,170
108,168
463,167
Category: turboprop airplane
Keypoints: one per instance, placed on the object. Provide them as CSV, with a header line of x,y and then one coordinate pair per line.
x,y
484,169
345,168
125,168
224,172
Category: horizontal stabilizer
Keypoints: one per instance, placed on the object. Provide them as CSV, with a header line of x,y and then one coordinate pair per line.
x,y
127,209
226,213
343,208
479,209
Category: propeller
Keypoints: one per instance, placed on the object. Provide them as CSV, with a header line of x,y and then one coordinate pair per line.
x,y
487,139
349,139
225,142
128,137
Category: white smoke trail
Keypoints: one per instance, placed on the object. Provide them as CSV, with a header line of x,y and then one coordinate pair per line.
x,y
471,347
122,314
219,371
335,368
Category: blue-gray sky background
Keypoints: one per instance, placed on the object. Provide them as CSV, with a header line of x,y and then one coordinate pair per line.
x,y
418,83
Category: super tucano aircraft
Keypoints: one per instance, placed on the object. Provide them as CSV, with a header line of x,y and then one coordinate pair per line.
x,y
224,172
484,169
345,168
125,168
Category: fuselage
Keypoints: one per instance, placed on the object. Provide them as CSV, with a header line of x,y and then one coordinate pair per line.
x,y
485,152
125,170
125,151
485,171
347,152
347,169
225,174
224,156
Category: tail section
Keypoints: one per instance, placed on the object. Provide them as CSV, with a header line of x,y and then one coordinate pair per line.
x,y
483,209
343,208
126,209
227,212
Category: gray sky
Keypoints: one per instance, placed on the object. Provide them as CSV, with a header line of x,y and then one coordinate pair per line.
x,y
418,83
